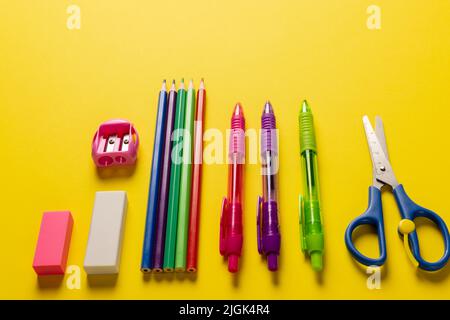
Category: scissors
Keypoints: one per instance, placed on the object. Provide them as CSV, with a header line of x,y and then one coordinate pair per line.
x,y
373,216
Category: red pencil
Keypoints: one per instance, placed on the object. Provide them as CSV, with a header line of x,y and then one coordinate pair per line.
x,y
192,250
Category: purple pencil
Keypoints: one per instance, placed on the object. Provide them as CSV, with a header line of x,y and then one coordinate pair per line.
x,y
161,217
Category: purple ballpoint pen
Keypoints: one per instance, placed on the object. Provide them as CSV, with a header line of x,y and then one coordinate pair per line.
x,y
267,216
161,218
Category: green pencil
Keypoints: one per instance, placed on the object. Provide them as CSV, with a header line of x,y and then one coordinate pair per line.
x,y
185,184
174,188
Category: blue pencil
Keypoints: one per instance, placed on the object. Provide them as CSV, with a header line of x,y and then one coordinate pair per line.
x,y
155,178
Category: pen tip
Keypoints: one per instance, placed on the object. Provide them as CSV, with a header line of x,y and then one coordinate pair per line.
x,y
268,107
305,106
238,109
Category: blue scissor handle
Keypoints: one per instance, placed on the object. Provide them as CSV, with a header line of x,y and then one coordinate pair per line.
x,y
373,216
409,210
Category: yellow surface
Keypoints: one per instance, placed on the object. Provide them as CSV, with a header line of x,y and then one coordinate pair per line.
x,y
57,85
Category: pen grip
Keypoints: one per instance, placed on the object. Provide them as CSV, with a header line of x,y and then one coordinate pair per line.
x,y
307,136
237,146
269,141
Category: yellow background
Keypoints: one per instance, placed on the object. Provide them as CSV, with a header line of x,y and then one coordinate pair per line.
x,y
58,85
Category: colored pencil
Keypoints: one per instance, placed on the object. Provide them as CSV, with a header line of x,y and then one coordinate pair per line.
x,y
185,185
192,251
153,192
174,189
161,218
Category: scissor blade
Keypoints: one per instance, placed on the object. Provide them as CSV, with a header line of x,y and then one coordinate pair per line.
x,y
381,167
379,131
375,149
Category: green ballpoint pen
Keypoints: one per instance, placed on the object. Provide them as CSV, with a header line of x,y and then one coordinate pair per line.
x,y
311,229
175,176
185,183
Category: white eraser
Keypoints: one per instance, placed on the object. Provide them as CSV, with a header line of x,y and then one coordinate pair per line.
x,y
105,235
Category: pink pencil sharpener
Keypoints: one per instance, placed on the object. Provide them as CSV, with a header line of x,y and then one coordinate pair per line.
x,y
115,144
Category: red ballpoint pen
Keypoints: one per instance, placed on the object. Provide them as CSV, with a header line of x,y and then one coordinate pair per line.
x,y
231,233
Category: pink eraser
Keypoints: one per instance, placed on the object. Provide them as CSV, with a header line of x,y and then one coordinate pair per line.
x,y
53,243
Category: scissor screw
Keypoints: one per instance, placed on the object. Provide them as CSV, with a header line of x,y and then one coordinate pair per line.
x,y
111,141
383,168
125,141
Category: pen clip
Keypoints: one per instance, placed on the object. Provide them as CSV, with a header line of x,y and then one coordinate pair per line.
x,y
222,242
303,244
258,225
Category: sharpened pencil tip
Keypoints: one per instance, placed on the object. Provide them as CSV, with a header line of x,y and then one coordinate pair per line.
x,y
202,84
191,84
172,88
163,85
